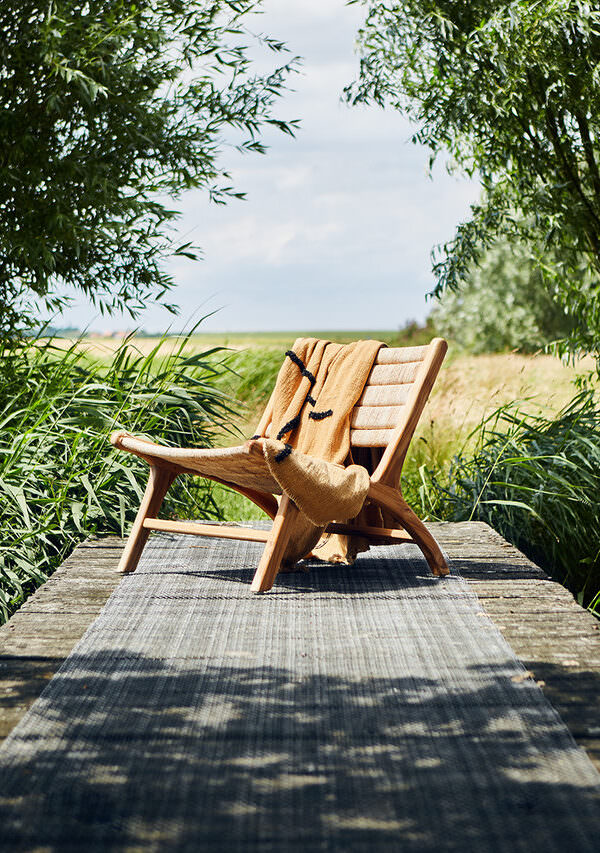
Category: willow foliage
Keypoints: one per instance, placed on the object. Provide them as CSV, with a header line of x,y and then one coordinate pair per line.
x,y
511,91
107,107
504,303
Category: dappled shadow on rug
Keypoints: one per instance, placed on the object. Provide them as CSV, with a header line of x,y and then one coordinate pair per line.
x,y
164,754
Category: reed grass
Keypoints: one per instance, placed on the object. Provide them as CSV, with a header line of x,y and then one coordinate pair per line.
x,y
60,481
536,480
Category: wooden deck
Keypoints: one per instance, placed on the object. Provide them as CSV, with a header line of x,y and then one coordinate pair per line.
x,y
557,640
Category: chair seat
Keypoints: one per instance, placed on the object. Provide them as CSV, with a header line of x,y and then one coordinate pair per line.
x,y
244,465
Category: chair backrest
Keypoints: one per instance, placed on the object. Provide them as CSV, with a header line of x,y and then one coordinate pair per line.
x,y
392,401
382,403
390,388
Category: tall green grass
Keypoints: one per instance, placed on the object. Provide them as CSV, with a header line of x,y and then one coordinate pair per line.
x,y
536,480
249,378
60,480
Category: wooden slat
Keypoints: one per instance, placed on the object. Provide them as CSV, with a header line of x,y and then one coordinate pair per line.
x,y
370,437
393,374
393,535
385,395
392,460
400,355
214,530
375,417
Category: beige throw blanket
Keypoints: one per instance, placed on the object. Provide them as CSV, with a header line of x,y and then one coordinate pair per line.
x,y
309,444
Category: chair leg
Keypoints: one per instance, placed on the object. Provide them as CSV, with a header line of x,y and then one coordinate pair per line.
x,y
393,500
159,481
279,537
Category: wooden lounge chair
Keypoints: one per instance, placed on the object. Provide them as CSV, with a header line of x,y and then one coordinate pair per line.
x,y
384,419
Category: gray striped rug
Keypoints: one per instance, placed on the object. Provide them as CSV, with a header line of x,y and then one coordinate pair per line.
x,y
351,709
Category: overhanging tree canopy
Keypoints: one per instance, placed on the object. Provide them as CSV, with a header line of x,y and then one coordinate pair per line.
x,y
512,92
107,106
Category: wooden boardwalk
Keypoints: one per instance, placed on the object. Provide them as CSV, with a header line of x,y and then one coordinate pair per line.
x,y
557,640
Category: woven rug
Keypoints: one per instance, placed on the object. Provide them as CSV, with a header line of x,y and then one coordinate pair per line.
x,y
360,708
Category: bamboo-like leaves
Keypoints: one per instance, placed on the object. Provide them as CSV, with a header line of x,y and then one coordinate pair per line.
x,y
509,92
60,480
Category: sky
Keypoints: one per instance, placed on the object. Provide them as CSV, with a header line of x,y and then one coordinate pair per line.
x,y
338,224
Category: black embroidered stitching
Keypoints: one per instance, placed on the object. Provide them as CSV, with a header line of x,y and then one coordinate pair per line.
x,y
299,363
283,453
291,425
318,416
288,427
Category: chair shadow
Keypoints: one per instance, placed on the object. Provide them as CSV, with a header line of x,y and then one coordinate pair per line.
x,y
375,571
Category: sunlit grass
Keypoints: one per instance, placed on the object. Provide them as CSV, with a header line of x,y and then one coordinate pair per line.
x,y
60,480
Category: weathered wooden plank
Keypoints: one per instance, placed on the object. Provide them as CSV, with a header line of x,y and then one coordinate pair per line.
x,y
38,638
49,647
22,680
93,605
103,542
108,581
32,624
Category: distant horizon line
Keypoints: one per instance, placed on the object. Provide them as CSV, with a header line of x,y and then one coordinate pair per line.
x,y
116,333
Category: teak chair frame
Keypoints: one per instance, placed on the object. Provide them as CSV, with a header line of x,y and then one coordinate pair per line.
x,y
384,489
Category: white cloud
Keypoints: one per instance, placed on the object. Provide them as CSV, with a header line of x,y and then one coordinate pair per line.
x,y
266,240
338,224
293,178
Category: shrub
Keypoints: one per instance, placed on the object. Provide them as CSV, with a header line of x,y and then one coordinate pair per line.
x,y
504,303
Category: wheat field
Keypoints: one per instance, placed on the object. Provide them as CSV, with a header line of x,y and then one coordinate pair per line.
x,y
468,388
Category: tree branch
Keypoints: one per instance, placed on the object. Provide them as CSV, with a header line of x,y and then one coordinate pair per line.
x,y
588,149
573,177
